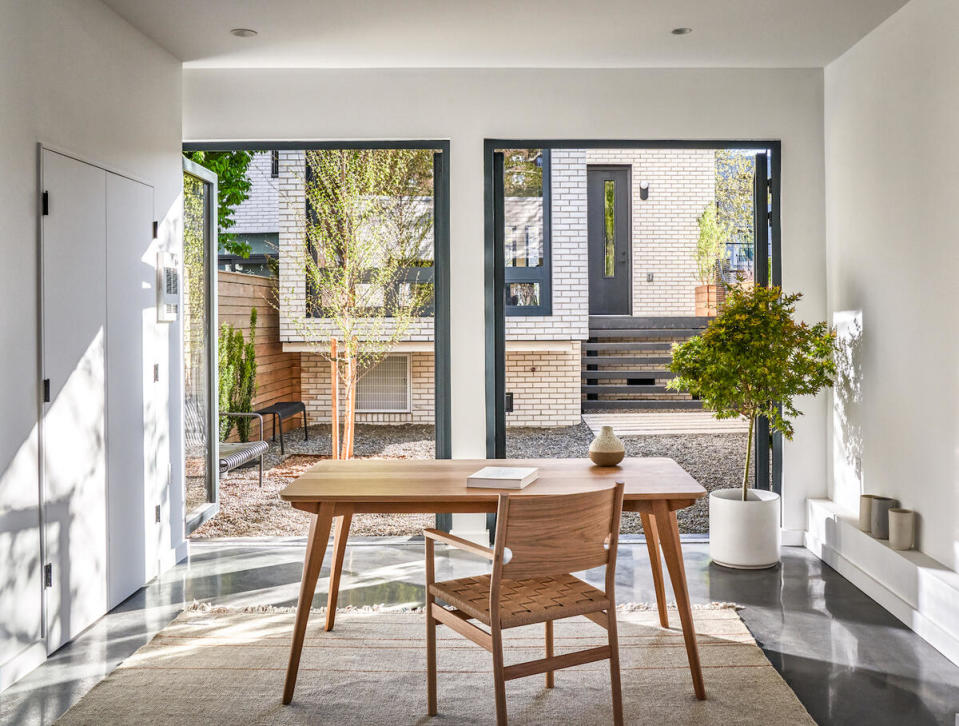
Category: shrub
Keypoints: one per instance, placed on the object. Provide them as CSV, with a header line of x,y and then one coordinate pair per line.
x,y
754,359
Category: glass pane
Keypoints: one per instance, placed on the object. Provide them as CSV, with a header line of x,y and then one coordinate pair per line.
x,y
523,207
196,362
609,228
735,174
523,294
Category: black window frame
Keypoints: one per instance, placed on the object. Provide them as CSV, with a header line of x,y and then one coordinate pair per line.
x,y
542,275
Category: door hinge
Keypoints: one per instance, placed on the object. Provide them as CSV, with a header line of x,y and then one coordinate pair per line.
x,y
48,575
156,229
46,390
158,513
45,204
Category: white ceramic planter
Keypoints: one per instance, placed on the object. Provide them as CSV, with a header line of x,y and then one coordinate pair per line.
x,y
742,534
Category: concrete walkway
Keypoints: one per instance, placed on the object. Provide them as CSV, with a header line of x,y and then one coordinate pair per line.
x,y
655,423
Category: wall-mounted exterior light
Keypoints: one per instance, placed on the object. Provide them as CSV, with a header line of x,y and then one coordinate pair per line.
x,y
644,190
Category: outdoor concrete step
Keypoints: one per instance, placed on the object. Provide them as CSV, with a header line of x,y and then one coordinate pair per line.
x,y
629,374
645,333
634,404
605,360
613,322
635,346
614,389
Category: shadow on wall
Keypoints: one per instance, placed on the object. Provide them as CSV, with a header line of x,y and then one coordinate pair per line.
x,y
848,410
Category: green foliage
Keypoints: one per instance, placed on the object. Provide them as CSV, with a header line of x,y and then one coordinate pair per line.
x,y
233,188
711,245
237,360
734,193
754,359
369,223
523,172
227,380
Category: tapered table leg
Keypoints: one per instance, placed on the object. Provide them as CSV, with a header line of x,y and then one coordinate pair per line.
x,y
668,529
656,564
340,535
315,551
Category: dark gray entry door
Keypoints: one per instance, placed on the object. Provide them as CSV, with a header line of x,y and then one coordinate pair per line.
x,y
608,215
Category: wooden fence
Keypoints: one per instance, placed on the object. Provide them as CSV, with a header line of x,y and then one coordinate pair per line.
x,y
277,373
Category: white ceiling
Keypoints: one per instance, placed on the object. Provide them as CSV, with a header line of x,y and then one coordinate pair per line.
x,y
506,33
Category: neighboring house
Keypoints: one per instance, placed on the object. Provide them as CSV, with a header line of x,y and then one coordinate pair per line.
x,y
256,220
598,269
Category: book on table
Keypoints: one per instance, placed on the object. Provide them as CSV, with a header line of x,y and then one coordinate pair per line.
x,y
503,477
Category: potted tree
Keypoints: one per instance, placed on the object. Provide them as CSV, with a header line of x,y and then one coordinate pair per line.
x,y
710,249
753,360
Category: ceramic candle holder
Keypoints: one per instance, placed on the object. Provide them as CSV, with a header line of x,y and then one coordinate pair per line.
x,y
902,529
865,512
880,516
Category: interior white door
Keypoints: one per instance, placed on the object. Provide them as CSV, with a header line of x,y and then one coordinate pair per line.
x,y
131,313
73,429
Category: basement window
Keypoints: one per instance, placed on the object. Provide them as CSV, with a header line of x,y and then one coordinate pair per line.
x,y
385,388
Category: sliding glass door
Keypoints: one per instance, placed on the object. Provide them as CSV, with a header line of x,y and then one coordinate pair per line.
x,y
199,316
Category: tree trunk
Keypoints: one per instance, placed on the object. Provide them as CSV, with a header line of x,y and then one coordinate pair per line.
x,y
349,417
749,456
334,401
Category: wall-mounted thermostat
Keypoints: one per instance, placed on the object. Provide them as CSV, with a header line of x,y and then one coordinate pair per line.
x,y
168,287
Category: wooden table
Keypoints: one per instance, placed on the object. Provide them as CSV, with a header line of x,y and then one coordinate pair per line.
x,y
336,490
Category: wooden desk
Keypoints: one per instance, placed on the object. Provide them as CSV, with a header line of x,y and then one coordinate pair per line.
x,y
655,487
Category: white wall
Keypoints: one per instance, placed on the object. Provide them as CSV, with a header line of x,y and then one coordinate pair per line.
x,y
892,181
467,106
72,75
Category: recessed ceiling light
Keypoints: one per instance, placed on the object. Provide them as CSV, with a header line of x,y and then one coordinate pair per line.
x,y
243,32
682,31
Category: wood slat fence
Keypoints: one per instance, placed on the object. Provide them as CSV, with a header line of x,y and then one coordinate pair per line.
x,y
278,373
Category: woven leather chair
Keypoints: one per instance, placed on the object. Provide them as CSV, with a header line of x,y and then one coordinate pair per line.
x,y
540,541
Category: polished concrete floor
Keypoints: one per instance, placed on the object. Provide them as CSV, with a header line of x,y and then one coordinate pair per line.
x,y
847,659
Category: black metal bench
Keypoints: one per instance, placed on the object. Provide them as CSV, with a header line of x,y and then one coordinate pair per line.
x,y
283,410
235,454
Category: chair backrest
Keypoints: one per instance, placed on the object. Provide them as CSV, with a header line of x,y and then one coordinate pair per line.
x,y
557,534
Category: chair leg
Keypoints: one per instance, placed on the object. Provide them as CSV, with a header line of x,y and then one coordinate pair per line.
x,y
306,430
614,677
282,442
261,471
499,677
549,651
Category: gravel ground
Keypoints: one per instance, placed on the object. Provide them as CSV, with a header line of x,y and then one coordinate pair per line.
x,y
714,460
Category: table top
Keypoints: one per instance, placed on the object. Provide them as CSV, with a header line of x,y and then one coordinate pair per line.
x,y
444,480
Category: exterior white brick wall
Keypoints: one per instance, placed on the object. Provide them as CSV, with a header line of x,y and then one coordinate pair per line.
x,y
544,384
570,282
315,389
665,226
260,212
295,327
545,387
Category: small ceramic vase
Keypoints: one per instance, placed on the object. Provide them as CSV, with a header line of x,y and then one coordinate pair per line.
x,y
902,529
880,516
606,449
865,512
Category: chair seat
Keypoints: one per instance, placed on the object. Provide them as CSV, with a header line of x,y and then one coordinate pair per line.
x,y
233,455
523,602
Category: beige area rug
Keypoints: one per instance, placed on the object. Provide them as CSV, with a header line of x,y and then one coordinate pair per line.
x,y
227,667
